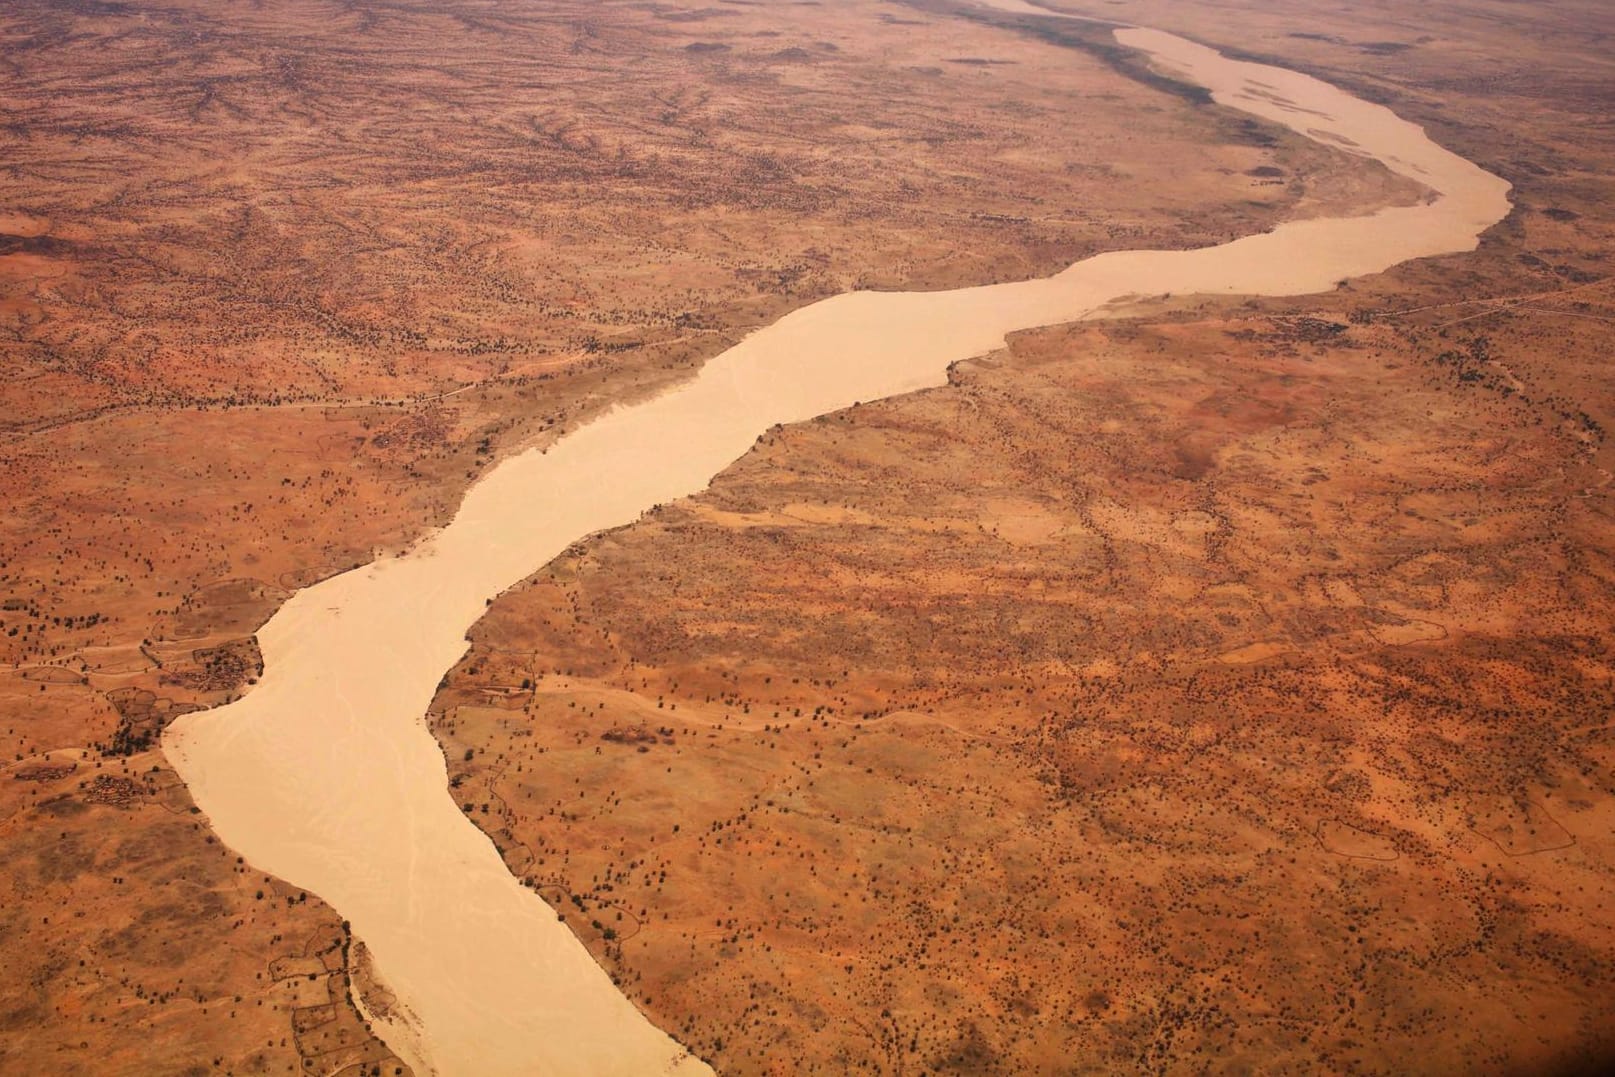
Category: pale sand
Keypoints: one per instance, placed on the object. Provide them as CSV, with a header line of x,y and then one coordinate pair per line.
x,y
326,775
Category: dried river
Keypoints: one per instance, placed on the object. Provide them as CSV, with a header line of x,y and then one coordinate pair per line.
x,y
326,775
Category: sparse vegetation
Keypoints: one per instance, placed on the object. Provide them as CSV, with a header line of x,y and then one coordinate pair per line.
x,y
1231,680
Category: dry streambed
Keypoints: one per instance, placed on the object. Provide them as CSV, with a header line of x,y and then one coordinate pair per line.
x,y
326,775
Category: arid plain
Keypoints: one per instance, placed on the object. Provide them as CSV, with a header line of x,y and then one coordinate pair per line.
x,y
1227,686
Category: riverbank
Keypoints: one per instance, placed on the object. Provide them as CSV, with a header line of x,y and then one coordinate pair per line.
x,y
229,381
490,978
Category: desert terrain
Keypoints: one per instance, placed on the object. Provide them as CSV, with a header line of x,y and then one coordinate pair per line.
x,y
325,773
1147,704
1225,687
278,284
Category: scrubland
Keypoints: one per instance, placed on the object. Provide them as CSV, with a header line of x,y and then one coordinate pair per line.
x,y
1228,684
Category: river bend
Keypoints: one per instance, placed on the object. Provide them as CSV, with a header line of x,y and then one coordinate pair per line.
x,y
326,775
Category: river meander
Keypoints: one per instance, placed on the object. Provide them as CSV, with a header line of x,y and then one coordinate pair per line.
x,y
326,775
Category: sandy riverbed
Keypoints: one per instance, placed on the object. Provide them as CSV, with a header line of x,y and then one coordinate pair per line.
x,y
326,775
